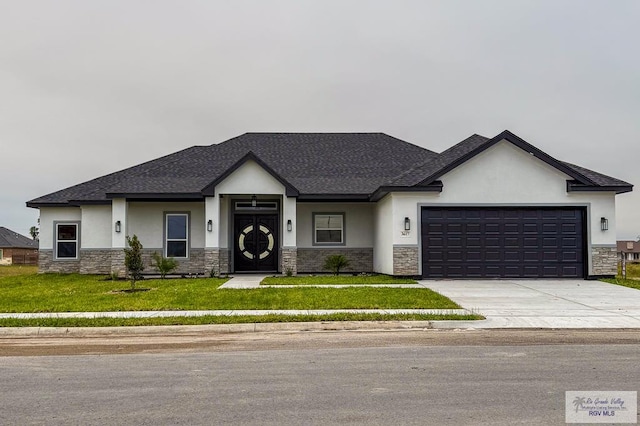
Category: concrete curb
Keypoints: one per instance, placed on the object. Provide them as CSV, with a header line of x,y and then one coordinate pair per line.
x,y
172,330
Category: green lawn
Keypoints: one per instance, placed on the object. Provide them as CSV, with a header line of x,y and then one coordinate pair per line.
x,y
633,270
633,276
626,283
13,270
74,293
332,279
225,319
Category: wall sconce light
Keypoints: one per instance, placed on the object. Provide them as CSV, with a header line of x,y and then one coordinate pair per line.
x,y
604,224
209,225
254,200
289,225
407,224
118,226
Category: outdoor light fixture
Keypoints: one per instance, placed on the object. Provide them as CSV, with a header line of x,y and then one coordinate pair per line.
x,y
118,226
407,224
604,224
289,225
209,225
254,200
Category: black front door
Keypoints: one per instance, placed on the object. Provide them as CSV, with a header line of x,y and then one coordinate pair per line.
x,y
255,242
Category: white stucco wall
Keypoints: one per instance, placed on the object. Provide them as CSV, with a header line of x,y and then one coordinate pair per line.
x,y
503,175
358,228
48,215
289,212
146,220
248,179
96,227
506,175
225,220
383,236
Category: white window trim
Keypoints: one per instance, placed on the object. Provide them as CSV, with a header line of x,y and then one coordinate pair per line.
x,y
56,240
342,229
166,234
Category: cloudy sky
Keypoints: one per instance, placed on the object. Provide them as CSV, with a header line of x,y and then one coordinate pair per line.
x,y
91,87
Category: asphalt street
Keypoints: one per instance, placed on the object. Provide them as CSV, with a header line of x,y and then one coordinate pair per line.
x,y
431,377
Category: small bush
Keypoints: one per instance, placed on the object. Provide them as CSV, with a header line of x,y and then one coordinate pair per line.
x,y
336,262
164,265
288,272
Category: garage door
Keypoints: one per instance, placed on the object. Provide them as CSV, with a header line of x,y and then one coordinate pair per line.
x,y
503,243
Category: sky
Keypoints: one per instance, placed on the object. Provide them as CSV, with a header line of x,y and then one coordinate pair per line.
x,y
91,87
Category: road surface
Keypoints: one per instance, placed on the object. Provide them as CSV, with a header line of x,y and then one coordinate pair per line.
x,y
422,378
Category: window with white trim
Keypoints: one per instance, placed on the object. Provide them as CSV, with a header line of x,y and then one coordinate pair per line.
x,y
1,254
66,240
328,228
176,235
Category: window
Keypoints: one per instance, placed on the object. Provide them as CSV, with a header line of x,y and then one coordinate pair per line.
x,y
177,235
66,240
1,254
328,228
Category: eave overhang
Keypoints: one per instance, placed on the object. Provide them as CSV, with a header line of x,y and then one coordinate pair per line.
x,y
574,186
36,205
330,198
435,186
156,196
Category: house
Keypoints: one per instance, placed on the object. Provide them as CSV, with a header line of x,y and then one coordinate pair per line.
x,y
278,202
16,248
630,250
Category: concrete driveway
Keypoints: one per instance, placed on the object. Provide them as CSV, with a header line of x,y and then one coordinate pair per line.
x,y
543,303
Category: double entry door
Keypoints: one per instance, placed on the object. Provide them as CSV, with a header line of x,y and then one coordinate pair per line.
x,y
255,242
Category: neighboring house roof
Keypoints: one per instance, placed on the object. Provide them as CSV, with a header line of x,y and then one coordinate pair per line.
x,y
323,166
10,239
629,246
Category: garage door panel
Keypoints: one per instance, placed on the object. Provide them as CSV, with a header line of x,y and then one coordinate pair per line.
x,y
570,256
492,228
512,256
474,256
474,229
503,242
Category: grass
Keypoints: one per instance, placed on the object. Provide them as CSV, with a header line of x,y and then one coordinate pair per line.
x,y
77,293
15,270
225,319
633,270
633,276
626,283
333,279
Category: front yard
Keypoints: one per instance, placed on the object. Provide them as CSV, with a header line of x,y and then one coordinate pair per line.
x,y
633,276
333,279
32,292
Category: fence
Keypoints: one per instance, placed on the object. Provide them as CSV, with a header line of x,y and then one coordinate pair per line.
x,y
25,259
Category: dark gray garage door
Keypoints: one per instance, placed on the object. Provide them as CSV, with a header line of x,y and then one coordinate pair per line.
x,y
503,243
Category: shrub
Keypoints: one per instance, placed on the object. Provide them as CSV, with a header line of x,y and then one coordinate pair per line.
x,y
336,262
164,265
133,260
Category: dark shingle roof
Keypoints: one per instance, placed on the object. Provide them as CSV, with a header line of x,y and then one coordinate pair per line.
x,y
344,164
10,239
